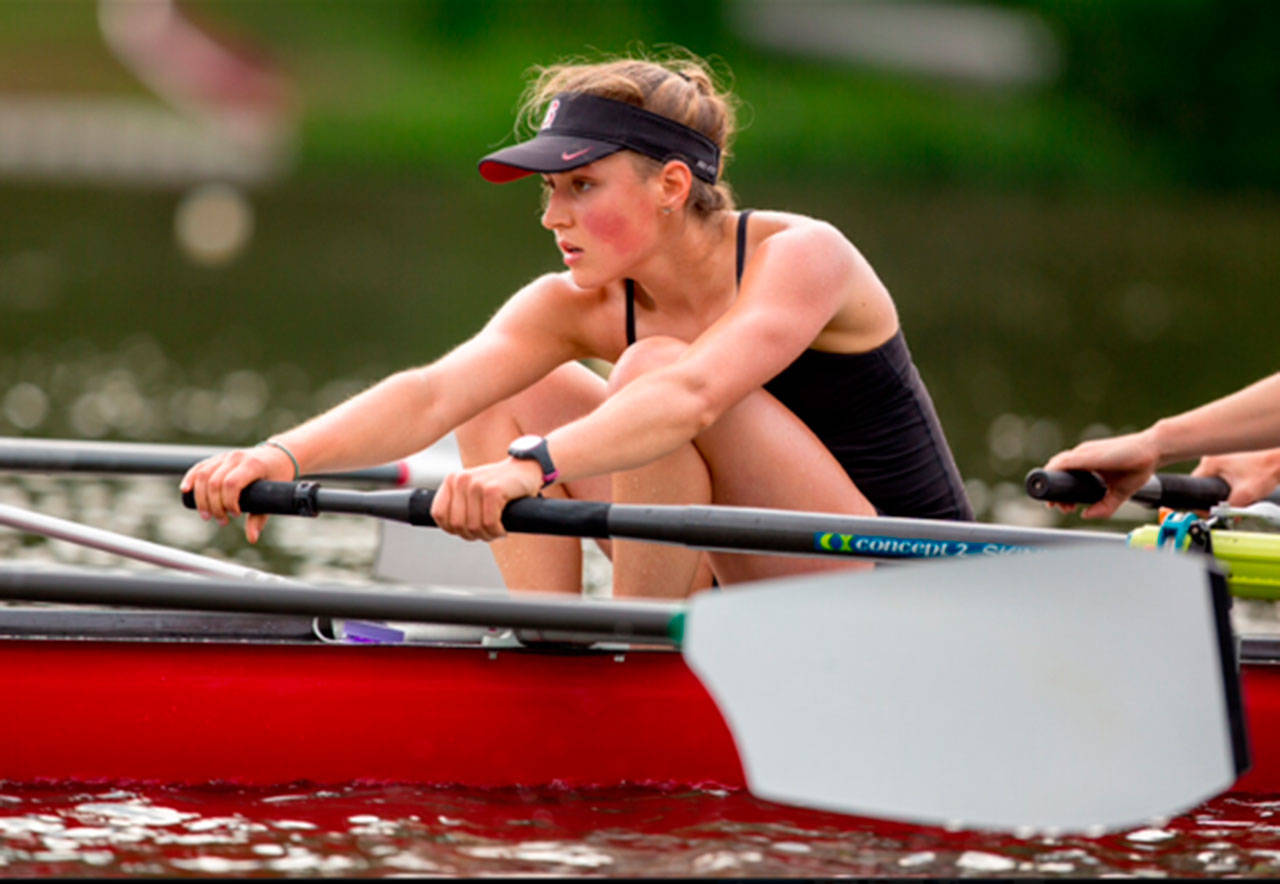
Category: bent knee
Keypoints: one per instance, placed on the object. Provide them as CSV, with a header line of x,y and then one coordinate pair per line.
x,y
561,395
644,356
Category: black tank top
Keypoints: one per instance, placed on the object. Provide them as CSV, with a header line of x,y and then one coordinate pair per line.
x,y
874,414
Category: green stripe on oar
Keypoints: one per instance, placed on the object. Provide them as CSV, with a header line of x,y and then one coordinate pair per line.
x,y
1078,690
739,529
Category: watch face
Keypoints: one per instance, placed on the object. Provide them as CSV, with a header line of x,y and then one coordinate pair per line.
x,y
524,444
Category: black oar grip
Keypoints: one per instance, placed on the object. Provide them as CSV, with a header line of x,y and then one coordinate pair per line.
x,y
1170,490
1065,486
273,498
1191,492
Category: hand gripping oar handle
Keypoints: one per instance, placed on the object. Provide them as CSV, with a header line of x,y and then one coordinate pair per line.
x,y
1161,490
569,518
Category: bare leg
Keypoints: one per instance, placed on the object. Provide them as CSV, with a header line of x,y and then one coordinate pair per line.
x,y
757,454
761,454
530,561
649,569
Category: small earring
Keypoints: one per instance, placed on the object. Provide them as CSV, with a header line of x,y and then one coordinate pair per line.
x,y
666,210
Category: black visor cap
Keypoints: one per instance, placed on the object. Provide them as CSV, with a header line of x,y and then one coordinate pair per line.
x,y
580,129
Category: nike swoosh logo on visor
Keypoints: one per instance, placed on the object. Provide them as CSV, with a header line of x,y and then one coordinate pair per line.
x,y
569,157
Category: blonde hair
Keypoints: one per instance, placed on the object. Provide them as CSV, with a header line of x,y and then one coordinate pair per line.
x,y
678,85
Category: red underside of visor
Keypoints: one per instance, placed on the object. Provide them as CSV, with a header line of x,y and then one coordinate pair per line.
x,y
501,173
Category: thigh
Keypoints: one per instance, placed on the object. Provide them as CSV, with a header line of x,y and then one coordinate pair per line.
x,y
564,395
760,454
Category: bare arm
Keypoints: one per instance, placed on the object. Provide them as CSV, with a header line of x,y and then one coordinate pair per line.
x,y
408,410
1245,420
793,286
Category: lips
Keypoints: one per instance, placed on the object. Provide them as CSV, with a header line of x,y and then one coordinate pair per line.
x,y
572,254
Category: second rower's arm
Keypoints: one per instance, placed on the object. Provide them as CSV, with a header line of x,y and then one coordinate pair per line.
x,y
1246,420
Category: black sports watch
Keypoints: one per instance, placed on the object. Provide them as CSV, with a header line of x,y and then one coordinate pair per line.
x,y
535,448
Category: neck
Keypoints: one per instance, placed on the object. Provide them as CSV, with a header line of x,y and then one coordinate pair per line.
x,y
693,260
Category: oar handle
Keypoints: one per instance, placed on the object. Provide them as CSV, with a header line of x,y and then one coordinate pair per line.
x,y
310,499
1162,490
532,515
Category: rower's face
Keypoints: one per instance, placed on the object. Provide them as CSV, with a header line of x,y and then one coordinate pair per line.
x,y
604,217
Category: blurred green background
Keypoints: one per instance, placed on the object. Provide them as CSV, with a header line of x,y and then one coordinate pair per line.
x,y
1074,203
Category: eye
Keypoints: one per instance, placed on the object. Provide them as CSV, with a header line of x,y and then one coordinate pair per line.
x,y
582,185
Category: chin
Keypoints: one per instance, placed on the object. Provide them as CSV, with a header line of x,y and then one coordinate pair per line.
x,y
588,278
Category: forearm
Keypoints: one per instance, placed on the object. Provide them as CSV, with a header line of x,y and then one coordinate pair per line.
x,y
1243,421
642,422
394,418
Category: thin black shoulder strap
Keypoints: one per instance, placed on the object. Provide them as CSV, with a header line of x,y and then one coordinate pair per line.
x,y
741,262
631,311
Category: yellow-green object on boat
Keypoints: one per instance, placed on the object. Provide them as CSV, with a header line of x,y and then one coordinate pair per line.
x,y
1251,559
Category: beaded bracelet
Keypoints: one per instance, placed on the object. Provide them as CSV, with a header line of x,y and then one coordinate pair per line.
x,y
297,470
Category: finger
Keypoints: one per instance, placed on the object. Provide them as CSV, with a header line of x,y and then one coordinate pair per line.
x,y
1204,468
229,496
477,511
1058,460
253,526
472,503
491,515
1106,507
213,494
222,495
196,481
1245,492
199,488
236,480
441,504
455,516
193,482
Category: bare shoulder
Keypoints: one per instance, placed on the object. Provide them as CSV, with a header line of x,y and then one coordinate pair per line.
x,y
590,318
802,241
815,255
553,293
793,237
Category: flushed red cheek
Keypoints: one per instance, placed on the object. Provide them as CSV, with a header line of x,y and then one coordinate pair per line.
x,y
613,229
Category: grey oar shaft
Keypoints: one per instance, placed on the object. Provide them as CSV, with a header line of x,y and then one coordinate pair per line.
x,y
739,529
134,458
624,620
123,545
881,537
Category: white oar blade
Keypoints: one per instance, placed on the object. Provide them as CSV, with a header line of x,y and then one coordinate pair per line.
x,y
1067,690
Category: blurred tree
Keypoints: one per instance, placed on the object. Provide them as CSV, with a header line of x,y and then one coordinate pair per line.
x,y
1202,76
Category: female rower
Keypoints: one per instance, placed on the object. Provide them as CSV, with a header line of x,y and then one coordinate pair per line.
x,y
1234,433
758,358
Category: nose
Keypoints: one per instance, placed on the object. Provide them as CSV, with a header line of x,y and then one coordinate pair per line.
x,y
554,215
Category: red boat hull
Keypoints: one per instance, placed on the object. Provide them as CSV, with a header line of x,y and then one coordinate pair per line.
x,y
264,714
1260,685
279,713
